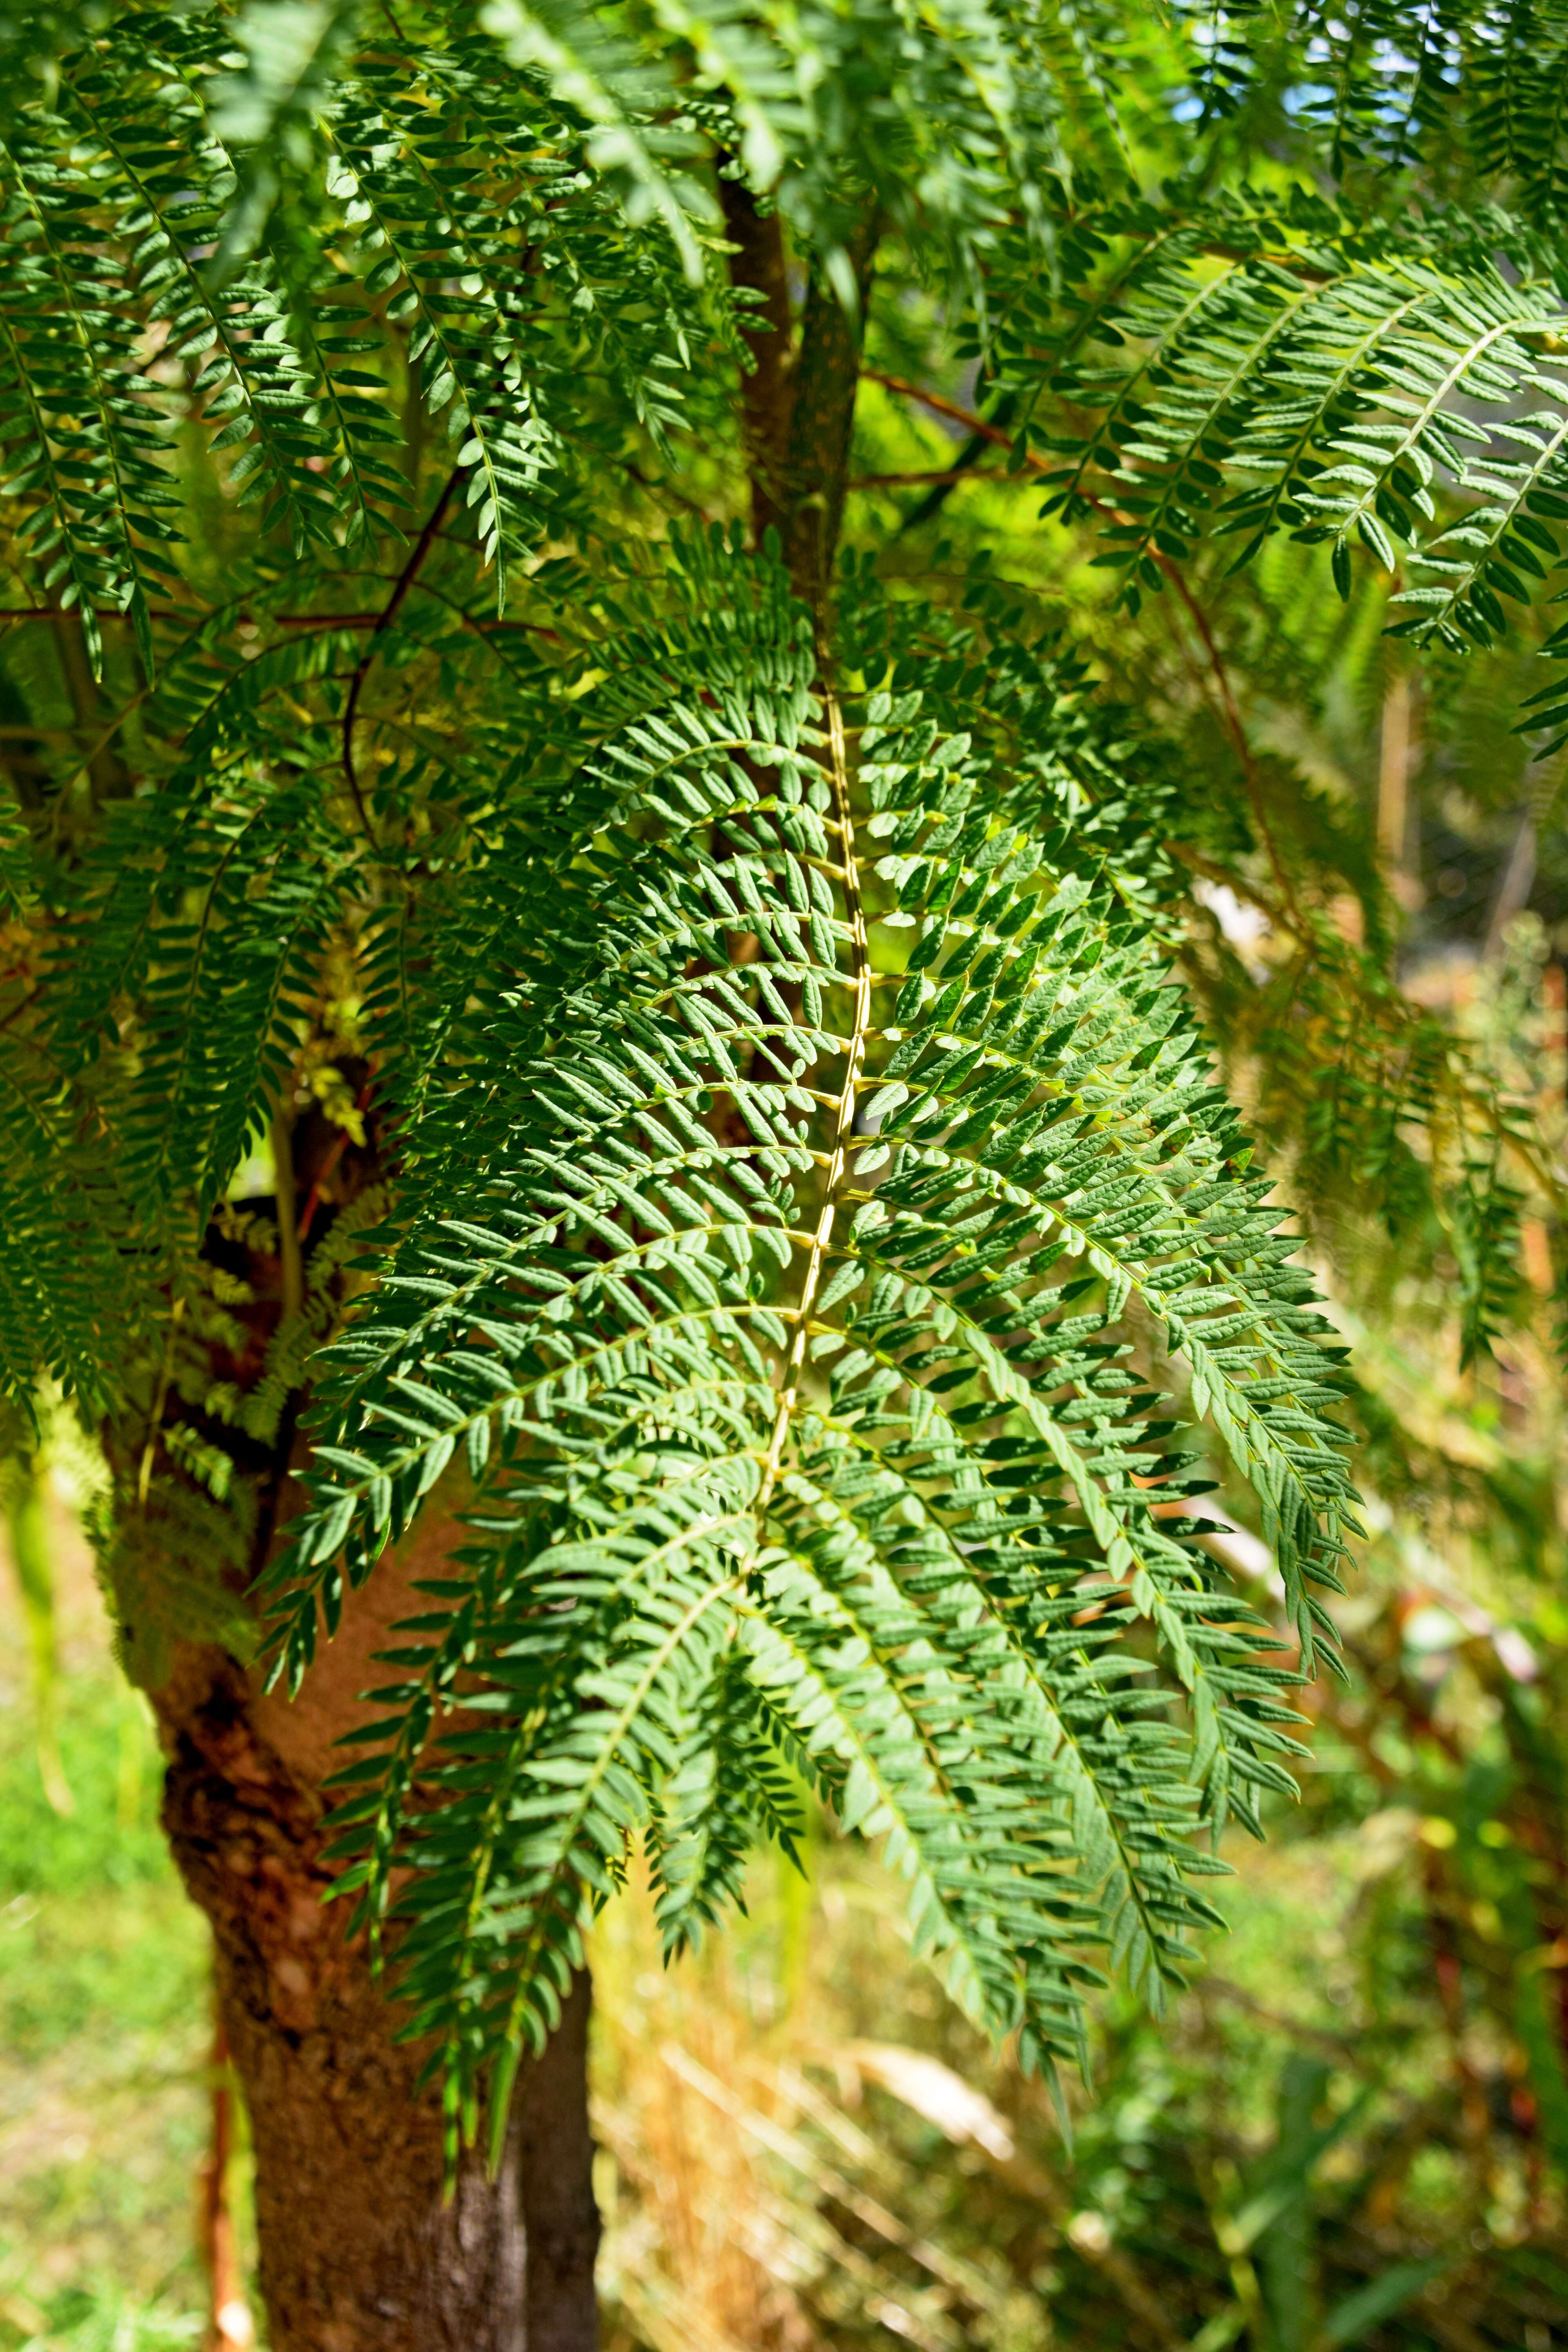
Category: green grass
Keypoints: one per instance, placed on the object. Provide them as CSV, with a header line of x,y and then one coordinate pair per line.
x,y
104,2023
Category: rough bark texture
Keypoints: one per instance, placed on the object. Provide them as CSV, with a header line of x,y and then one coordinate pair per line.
x,y
359,2251
555,2175
822,415
758,264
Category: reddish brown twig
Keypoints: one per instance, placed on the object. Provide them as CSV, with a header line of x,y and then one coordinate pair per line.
x,y
389,612
944,407
1171,572
312,1197
927,481
1232,720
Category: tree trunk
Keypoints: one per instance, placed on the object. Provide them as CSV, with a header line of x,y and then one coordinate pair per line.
x,y
758,264
822,417
359,2250
798,407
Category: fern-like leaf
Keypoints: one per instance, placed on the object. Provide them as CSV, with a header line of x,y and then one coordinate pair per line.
x,y
847,1173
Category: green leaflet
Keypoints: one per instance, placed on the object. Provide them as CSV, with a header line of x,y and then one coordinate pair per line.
x,y
1254,372
791,1289
466,185
146,157
1390,87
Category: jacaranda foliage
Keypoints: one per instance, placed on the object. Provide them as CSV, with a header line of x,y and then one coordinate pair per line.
x,y
521,1001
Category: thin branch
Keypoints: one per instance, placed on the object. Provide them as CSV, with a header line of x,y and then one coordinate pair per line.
x,y
327,1167
987,431
289,1261
1186,854
1233,719
980,425
393,606
487,627
919,482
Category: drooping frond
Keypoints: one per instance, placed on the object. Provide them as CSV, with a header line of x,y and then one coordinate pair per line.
x,y
1248,375
117,194
839,1180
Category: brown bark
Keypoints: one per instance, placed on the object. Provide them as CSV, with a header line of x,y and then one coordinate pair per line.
x,y
555,2177
360,2251
822,414
797,406
229,2325
758,264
